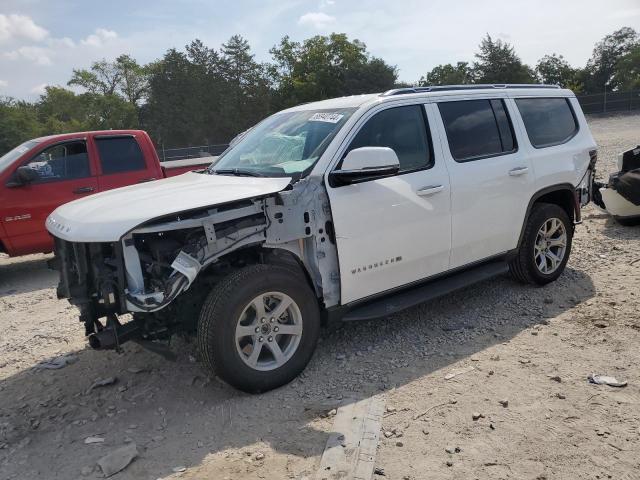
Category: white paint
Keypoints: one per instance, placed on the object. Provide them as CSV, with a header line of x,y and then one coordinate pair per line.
x,y
392,231
370,157
451,215
389,235
107,216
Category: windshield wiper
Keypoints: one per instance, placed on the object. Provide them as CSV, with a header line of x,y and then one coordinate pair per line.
x,y
238,172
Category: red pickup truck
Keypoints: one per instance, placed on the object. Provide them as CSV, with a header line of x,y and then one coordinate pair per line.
x,y
44,173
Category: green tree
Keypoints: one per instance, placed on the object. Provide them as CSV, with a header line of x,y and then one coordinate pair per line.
x,y
497,62
248,91
324,67
123,77
601,67
18,123
555,70
133,81
103,78
173,95
627,71
458,74
61,110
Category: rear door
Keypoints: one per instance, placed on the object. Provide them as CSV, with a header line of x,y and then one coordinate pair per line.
x,y
491,177
558,146
396,230
121,161
65,173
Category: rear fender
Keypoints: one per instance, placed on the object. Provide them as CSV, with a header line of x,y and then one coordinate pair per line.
x,y
563,195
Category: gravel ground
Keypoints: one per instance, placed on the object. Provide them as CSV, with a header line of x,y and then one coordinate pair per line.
x,y
522,355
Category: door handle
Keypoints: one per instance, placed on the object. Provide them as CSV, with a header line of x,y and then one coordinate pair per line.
x,y
518,171
430,190
84,190
145,180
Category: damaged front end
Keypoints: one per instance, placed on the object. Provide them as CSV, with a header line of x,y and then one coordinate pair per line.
x,y
160,272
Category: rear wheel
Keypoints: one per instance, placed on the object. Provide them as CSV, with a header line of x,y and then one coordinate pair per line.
x,y
545,247
259,327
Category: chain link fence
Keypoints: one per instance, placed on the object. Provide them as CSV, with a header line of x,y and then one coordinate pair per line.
x,y
610,102
168,154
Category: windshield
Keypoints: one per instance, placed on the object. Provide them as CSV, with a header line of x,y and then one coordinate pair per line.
x,y
9,157
285,144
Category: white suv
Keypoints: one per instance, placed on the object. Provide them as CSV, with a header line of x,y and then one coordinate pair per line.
x,y
351,208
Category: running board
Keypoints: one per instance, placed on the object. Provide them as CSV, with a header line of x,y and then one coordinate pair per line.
x,y
423,293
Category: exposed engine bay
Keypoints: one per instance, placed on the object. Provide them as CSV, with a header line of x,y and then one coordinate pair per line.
x,y
161,271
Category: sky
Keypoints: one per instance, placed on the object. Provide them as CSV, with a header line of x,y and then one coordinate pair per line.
x,y
42,41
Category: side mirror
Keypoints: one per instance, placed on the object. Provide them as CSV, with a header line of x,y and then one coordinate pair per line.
x,y
365,163
24,175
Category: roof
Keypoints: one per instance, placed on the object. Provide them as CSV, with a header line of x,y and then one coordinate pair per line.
x,y
64,136
501,90
340,102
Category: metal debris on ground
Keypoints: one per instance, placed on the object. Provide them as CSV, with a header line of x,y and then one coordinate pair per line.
x,y
606,380
351,448
101,383
118,459
92,440
453,374
56,363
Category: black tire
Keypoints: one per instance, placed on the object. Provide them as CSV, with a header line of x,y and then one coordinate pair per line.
x,y
222,310
523,267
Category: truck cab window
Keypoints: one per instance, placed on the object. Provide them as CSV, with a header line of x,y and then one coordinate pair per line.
x,y
119,155
65,161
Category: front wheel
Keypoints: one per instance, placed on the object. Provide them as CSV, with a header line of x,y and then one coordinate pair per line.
x,y
259,327
545,247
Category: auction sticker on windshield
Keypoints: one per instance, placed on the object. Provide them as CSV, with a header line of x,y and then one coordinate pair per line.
x,y
326,117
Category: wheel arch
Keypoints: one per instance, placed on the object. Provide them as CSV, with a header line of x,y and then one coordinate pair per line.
x,y
258,254
562,194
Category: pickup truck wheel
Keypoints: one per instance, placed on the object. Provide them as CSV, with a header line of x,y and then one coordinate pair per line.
x,y
545,247
259,327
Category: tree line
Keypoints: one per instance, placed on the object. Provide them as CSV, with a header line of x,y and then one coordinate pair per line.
x,y
201,95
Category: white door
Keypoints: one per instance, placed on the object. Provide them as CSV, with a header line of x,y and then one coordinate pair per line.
x,y
491,177
396,230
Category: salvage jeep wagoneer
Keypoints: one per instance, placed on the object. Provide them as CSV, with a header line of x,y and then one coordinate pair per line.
x,y
351,208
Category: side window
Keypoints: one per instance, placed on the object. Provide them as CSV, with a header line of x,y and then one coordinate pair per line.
x,y
120,154
403,129
549,121
477,128
65,161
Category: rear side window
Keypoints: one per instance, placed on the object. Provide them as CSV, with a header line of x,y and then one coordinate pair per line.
x,y
477,129
120,154
549,121
404,130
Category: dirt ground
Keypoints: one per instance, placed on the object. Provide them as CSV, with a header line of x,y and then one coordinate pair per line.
x,y
532,347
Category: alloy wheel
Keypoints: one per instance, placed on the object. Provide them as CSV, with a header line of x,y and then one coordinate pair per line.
x,y
550,246
268,331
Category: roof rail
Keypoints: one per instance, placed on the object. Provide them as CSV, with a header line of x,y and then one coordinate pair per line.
x,y
444,88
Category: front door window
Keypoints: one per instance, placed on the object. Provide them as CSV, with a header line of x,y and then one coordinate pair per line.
x,y
65,161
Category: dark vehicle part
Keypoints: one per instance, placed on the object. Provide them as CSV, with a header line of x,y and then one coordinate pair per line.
x,y
111,336
621,195
545,247
627,181
254,344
